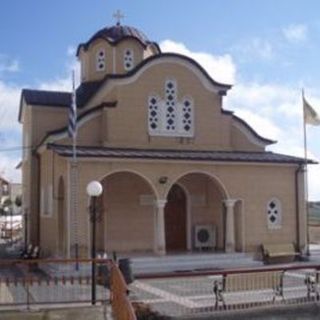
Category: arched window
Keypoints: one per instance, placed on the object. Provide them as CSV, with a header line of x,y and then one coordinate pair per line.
x,y
169,116
274,214
101,60
128,59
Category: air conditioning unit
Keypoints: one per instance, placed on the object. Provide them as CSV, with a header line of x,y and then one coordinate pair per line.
x,y
205,236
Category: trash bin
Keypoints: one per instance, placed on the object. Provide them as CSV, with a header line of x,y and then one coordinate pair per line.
x,y
103,272
125,268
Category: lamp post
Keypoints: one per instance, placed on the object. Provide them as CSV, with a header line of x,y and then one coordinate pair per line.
x,y
6,211
94,190
25,215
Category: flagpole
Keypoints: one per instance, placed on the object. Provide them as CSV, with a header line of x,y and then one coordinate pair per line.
x,y
74,140
74,172
306,170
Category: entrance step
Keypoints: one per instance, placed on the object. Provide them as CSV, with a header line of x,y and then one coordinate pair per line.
x,y
191,262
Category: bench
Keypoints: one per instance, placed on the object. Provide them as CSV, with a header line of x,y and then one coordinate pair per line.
x,y
279,253
31,252
270,284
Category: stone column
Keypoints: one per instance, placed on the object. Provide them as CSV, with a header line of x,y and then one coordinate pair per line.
x,y
230,229
160,246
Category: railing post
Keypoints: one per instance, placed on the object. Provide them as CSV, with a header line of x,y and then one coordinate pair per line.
x,y
28,295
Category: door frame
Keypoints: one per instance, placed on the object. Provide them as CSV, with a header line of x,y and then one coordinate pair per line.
x,y
188,231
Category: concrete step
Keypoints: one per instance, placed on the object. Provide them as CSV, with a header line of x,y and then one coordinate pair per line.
x,y
190,262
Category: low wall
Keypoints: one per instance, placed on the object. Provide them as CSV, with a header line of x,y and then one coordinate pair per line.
x,y
71,313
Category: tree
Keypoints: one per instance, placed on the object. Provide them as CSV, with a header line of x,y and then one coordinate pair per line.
x,y
18,201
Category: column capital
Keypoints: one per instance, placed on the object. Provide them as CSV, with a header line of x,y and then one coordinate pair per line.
x,y
160,203
229,203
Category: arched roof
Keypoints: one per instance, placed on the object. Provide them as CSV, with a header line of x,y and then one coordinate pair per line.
x,y
117,33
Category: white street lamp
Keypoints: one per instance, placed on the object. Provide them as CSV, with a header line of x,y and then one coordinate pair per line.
x,y
94,190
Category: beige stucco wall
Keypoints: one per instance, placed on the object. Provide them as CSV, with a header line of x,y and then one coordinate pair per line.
x,y
29,176
52,169
132,225
46,119
37,121
126,214
240,142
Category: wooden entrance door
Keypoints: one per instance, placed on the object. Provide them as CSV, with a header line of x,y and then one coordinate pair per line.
x,y
175,220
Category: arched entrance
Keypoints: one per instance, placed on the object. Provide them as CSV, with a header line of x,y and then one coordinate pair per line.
x,y
203,208
61,219
176,220
127,217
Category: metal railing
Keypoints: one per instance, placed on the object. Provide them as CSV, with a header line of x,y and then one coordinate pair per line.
x,y
48,282
195,293
121,305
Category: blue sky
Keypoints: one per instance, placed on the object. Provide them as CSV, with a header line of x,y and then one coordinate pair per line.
x,y
269,50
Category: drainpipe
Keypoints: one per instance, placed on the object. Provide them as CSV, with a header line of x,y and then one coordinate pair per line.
x,y
38,165
298,170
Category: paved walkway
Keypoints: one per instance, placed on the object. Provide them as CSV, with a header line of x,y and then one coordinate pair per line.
x,y
194,295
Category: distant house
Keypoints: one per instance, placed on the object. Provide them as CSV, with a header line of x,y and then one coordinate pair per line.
x,y
4,187
179,172
9,190
314,212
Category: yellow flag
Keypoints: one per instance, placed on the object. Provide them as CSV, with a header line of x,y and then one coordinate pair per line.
x,y
310,115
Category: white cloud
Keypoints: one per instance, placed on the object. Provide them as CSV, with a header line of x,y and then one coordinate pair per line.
x,y
220,68
9,106
8,65
71,51
255,48
261,48
64,82
314,182
262,125
7,167
10,131
267,99
295,32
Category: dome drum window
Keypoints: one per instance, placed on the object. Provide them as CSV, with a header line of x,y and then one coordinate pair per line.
x,y
128,59
169,116
274,214
101,60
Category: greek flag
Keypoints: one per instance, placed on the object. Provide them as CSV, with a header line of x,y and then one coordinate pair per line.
x,y
72,125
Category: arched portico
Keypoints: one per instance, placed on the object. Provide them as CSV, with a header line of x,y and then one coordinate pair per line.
x,y
127,215
205,202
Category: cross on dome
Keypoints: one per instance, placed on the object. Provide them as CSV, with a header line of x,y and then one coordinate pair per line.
x,y
118,15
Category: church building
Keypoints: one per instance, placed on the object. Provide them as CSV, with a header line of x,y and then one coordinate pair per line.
x,y
179,172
